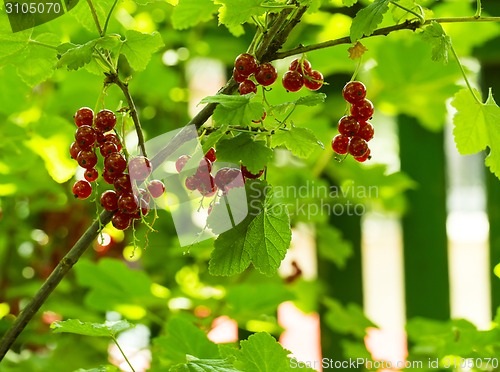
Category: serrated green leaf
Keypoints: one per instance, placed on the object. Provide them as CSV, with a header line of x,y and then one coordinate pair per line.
x,y
138,48
81,12
189,13
243,148
367,19
477,126
300,141
184,338
268,238
332,246
205,365
441,43
108,329
262,353
12,42
235,110
233,13
311,99
348,319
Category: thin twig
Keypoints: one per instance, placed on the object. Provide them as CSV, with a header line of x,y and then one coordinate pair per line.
x,y
108,18
95,17
115,79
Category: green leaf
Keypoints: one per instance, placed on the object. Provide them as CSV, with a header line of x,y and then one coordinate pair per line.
x,y
441,43
108,368
205,365
332,246
243,148
189,13
184,338
109,291
108,329
262,353
233,13
81,12
348,319
477,125
76,56
367,19
300,141
268,238
230,256
309,100
138,48
235,110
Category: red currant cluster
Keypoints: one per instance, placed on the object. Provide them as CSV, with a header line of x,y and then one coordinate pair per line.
x,y
225,178
300,74
245,66
355,129
127,199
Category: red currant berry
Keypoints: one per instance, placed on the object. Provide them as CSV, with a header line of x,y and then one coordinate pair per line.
x,y
91,174
293,81
74,150
354,91
261,119
245,64
266,74
82,189
238,77
210,155
109,200
128,203
139,168
156,188
357,146
207,187
122,184
364,157
84,116
340,143
247,174
348,126
107,148
362,110
105,120
111,137
192,183
313,80
115,163
85,137
181,162
303,66
246,87
225,178
87,159
204,167
366,130
121,221
100,138
109,177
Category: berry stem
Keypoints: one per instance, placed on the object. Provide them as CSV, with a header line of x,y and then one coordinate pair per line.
x,y
121,351
419,16
478,9
114,78
465,76
95,17
109,17
353,77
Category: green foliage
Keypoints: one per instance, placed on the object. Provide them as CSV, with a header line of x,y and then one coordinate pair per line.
x,y
233,13
300,141
441,43
108,329
235,110
138,48
244,148
189,13
332,246
367,19
477,127
348,319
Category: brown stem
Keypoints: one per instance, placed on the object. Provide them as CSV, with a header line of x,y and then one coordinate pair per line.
x,y
115,79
